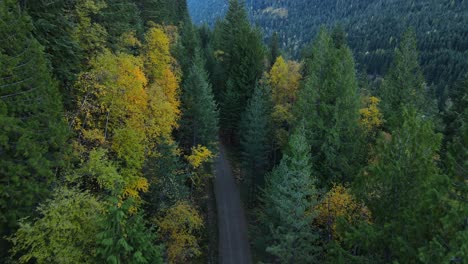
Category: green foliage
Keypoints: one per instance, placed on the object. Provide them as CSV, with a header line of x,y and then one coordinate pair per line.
x,y
404,85
64,231
124,237
88,33
53,28
32,129
167,177
200,113
373,29
241,55
289,197
255,139
119,17
329,105
405,191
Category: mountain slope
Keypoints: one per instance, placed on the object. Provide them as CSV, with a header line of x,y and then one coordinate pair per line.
x,y
373,28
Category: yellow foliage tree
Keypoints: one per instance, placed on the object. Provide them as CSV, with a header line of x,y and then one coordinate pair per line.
x,y
339,203
284,79
200,155
112,112
371,117
180,226
164,108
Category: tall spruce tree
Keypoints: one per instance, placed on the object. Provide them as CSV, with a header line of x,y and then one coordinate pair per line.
x,y
451,243
255,138
274,49
329,106
200,114
241,55
32,131
289,197
404,85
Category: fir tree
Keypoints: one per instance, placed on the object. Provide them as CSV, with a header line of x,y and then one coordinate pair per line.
x,y
404,85
119,17
32,130
255,138
241,55
274,49
329,105
200,114
405,191
289,197
53,28
167,178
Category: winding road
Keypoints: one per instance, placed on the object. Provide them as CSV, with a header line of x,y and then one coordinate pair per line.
x,y
234,245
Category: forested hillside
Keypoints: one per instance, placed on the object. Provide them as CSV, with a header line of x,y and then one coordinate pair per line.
x,y
373,29
130,135
92,171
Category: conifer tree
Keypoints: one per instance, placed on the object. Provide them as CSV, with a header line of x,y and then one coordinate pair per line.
x,y
200,114
289,196
53,28
167,178
255,138
119,17
32,129
405,191
274,49
329,105
404,85
241,54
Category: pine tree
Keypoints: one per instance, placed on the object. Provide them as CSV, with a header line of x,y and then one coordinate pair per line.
x,y
404,85
200,114
289,197
32,131
255,138
329,105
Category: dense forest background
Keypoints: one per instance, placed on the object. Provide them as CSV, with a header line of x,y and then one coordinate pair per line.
x,y
373,30
345,123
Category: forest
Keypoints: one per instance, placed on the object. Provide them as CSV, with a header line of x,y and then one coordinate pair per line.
x,y
373,30
275,132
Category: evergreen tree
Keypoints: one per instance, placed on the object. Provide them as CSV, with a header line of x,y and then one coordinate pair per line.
x,y
125,238
289,197
255,138
450,245
274,49
119,17
32,130
241,55
404,85
405,192
329,105
200,114
167,178
152,11
53,28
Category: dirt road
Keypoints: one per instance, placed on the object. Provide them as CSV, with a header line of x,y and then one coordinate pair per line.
x,y
234,246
